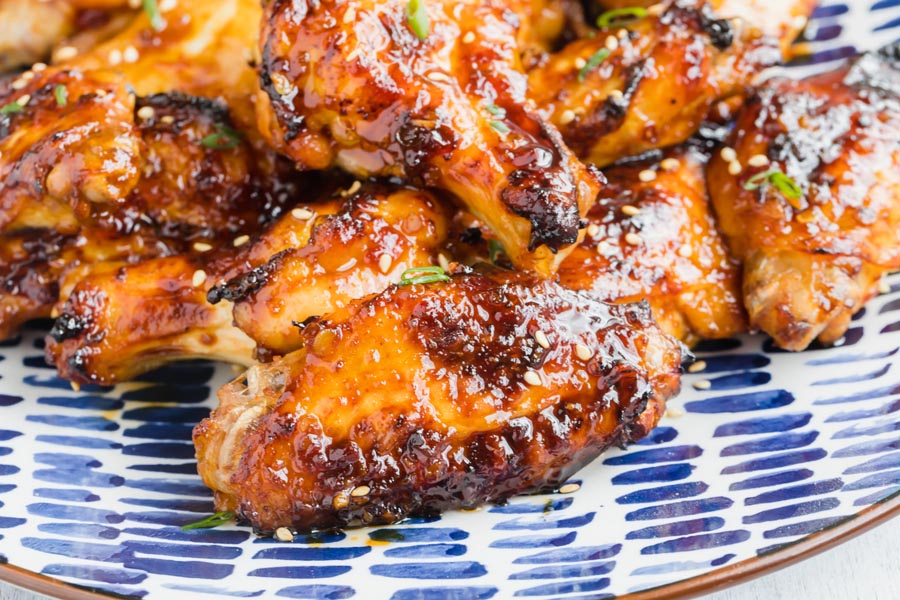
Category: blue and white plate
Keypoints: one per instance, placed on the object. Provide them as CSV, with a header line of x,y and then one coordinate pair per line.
x,y
780,455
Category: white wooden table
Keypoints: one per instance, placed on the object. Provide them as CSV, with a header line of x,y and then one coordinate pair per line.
x,y
865,568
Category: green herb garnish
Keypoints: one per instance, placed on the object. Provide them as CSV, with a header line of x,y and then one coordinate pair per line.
x,y
495,249
417,17
12,107
423,275
156,19
598,57
61,95
214,520
225,138
499,126
496,111
776,177
621,16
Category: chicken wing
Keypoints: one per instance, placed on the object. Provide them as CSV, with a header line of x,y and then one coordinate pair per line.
x,y
437,98
650,85
781,19
452,400
814,212
30,29
120,321
651,235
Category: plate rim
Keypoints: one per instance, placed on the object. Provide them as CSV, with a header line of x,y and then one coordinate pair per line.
x,y
724,577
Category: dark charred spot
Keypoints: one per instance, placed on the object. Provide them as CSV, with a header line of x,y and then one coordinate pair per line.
x,y
66,327
471,236
720,31
546,198
242,286
301,325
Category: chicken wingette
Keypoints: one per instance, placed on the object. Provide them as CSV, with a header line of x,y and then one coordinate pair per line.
x,y
432,396
814,209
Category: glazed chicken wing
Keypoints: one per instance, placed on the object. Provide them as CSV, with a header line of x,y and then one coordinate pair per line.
x,y
650,85
657,240
120,321
452,401
814,213
438,100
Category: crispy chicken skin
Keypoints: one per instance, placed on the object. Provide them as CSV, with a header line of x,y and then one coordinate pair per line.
x,y
119,321
811,261
657,240
353,247
781,19
655,86
351,84
431,397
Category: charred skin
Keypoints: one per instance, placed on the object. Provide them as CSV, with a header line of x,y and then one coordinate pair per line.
x,y
447,112
655,87
811,262
657,240
436,412
121,320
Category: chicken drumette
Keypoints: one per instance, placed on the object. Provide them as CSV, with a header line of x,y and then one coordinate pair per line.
x,y
461,392
814,213
436,98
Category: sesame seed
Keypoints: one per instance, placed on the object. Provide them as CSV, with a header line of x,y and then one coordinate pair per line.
x,y
883,287
198,278
541,338
302,214
283,534
580,63
360,491
602,247
166,5
340,501
134,3
632,238
66,52
569,488
728,154
100,93
734,168
439,76
583,352
75,386
655,10
281,83
350,15
674,413
202,247
622,34
444,262
354,187
670,164
758,160
24,100
115,56
566,117
240,240
354,54
696,367
593,229
532,378
27,75
685,251
54,312
702,385
167,119
468,38
616,95
38,67
630,210
384,263
130,55
146,112
647,175
18,84
612,42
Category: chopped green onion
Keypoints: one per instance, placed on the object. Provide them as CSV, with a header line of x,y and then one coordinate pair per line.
x,y
496,111
499,126
12,107
621,16
417,17
224,139
776,177
214,520
156,18
495,249
598,57
423,275
61,95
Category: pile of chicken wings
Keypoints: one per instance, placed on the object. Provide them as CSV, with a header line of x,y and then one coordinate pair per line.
x,y
461,247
